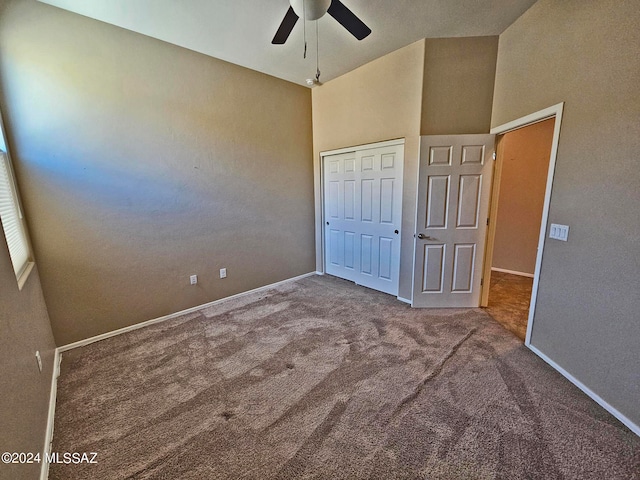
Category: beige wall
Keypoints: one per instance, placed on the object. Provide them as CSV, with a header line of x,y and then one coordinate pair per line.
x,y
433,86
24,390
378,101
585,53
458,85
523,180
141,163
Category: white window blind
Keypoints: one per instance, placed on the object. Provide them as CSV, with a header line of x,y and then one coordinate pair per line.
x,y
11,216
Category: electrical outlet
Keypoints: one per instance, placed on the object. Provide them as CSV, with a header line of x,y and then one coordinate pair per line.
x,y
223,273
39,359
193,279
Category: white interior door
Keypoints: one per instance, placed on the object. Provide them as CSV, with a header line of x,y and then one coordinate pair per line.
x,y
363,214
453,202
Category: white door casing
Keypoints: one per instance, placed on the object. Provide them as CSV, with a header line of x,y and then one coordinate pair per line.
x,y
453,201
363,214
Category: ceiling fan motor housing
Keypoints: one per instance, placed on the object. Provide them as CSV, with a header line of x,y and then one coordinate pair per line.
x,y
313,9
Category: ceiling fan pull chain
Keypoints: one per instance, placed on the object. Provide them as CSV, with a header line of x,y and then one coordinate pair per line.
x,y
304,28
317,53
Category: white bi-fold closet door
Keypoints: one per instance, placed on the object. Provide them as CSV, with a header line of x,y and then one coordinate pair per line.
x,y
362,195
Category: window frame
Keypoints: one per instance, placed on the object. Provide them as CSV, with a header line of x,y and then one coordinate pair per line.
x,y
23,274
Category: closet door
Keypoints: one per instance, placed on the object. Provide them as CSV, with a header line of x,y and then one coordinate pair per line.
x,y
363,214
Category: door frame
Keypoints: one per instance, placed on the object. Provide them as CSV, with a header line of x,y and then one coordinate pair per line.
x,y
319,181
554,111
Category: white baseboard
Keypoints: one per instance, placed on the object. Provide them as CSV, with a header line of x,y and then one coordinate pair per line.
x,y
512,272
318,272
120,331
590,393
404,300
48,438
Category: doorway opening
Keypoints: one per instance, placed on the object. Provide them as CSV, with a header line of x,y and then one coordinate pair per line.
x,y
521,191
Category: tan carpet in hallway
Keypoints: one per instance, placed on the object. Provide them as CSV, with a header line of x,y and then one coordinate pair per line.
x,y
509,298
324,379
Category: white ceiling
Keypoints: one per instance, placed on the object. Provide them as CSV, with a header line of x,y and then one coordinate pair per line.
x,y
240,31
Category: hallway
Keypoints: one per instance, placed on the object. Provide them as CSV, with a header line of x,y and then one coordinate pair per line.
x,y
509,298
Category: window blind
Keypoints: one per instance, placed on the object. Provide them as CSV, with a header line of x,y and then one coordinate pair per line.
x,y
11,219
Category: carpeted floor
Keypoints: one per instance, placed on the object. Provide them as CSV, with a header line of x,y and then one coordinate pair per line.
x,y
324,379
509,299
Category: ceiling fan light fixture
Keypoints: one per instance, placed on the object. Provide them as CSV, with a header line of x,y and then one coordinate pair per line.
x,y
310,9
313,10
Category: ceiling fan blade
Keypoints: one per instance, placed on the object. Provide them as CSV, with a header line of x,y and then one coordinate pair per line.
x,y
348,20
285,28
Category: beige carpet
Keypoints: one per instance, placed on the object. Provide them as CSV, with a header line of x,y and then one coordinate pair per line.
x,y
323,379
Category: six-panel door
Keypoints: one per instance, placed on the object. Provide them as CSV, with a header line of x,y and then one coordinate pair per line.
x,y
362,213
453,202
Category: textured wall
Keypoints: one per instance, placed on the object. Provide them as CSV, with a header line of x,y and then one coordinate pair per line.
x,y
585,53
378,101
458,85
24,390
141,163
523,181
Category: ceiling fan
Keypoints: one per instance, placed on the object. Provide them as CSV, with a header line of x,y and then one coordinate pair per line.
x,y
313,10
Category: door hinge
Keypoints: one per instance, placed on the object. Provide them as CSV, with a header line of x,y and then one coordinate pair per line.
x,y
494,155
487,222
481,281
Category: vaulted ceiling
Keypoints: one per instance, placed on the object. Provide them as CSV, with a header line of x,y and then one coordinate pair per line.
x,y
240,31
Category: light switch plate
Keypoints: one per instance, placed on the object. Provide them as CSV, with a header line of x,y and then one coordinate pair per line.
x,y
559,232
39,359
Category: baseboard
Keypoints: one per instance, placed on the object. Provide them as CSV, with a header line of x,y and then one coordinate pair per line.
x,y
318,272
512,272
590,393
404,300
120,331
48,437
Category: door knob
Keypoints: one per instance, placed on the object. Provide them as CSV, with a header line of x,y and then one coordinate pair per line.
x,y
422,236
